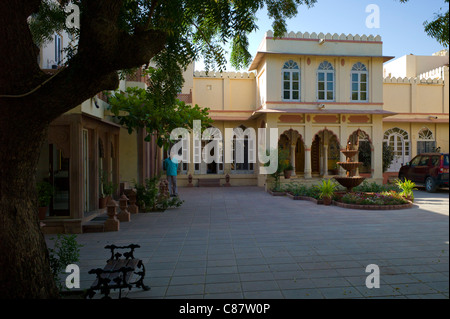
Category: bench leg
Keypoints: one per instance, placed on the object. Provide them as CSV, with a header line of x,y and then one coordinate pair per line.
x,y
140,282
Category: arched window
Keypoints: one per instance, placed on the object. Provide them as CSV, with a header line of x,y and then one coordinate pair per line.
x,y
291,81
359,75
426,142
325,82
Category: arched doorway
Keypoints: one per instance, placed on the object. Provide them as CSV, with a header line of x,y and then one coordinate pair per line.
x,y
292,141
399,143
325,150
365,148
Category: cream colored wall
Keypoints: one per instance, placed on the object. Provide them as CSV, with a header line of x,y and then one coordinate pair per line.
x,y
415,96
308,43
413,65
128,163
225,92
308,83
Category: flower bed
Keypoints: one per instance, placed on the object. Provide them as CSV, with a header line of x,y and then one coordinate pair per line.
x,y
380,201
369,197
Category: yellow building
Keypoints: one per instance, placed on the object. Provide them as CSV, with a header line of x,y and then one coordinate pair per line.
x,y
319,91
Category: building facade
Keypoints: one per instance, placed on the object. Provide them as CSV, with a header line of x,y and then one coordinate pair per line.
x,y
318,91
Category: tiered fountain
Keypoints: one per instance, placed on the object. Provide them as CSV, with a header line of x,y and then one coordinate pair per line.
x,y
350,180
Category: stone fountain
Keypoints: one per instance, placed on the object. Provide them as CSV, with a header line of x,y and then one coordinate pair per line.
x,y
350,180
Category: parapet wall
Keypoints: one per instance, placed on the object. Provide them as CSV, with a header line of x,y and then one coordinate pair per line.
x,y
327,36
223,75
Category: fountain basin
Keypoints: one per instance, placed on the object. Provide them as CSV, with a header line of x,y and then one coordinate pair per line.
x,y
349,182
350,153
349,166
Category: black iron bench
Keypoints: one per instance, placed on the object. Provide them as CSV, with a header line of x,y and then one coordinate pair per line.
x,y
117,272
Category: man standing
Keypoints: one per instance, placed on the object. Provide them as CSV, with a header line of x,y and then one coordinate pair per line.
x,y
171,166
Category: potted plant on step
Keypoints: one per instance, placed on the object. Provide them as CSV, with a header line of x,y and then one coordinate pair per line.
x,y
288,171
326,190
45,193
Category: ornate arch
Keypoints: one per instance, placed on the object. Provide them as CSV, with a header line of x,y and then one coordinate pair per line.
x,y
292,134
327,130
361,133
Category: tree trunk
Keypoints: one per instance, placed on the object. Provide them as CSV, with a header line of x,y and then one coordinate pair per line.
x,y
28,103
24,262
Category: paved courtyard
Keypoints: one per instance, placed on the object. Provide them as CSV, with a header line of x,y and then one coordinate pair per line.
x,y
241,242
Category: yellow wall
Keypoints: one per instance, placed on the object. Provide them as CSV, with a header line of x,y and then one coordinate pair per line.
x,y
128,163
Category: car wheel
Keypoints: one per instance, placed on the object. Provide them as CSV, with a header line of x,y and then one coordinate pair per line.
x,y
430,185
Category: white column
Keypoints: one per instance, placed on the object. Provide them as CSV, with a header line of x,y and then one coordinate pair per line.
x,y
308,162
325,160
293,158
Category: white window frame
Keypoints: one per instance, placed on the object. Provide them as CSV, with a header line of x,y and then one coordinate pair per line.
x,y
324,68
291,67
359,69
58,50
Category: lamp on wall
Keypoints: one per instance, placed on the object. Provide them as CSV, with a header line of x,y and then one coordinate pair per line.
x,y
321,106
432,117
321,41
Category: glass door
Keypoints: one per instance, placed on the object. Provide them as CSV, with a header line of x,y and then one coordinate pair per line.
x,y
59,178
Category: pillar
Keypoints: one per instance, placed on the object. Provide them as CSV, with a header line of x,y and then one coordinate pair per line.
x,y
325,160
308,162
293,158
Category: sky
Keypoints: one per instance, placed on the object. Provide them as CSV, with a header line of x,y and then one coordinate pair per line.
x,y
401,24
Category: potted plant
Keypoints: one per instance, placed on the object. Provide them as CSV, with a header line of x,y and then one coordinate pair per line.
x,y
106,189
288,171
326,190
407,188
109,188
45,193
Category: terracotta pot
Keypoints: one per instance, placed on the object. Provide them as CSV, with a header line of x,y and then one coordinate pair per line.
x,y
42,211
326,200
287,174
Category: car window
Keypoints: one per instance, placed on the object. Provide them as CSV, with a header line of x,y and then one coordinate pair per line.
x,y
424,161
435,160
415,161
446,160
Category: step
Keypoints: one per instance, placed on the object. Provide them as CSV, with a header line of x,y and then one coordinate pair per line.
x,y
93,228
210,182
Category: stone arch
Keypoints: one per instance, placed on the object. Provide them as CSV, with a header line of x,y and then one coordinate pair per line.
x,y
321,160
366,151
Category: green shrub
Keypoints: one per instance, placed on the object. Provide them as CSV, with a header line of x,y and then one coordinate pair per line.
x,y
65,251
149,198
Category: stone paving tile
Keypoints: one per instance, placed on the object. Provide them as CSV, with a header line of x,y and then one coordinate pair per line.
x,y
235,243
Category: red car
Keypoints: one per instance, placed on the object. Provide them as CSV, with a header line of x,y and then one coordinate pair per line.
x,y
427,169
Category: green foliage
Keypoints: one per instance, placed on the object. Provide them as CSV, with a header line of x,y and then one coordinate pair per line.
x,y
388,156
65,251
407,188
194,28
383,198
107,188
283,162
373,187
326,188
150,199
45,193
